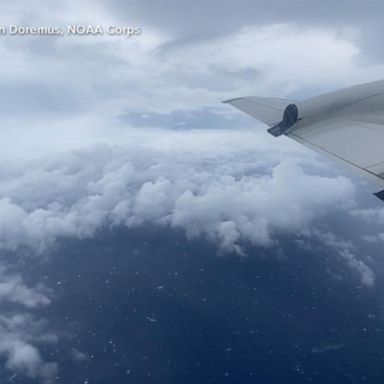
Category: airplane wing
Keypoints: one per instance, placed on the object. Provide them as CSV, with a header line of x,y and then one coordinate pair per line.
x,y
266,109
345,125
358,144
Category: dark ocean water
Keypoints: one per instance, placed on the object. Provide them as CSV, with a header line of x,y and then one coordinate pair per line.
x,y
150,306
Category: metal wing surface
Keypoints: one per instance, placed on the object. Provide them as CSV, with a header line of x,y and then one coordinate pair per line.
x,y
346,125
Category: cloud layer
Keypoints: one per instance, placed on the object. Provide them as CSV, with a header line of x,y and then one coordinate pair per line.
x,y
229,186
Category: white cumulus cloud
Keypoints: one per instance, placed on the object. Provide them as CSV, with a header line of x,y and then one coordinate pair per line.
x,y
13,289
22,333
229,186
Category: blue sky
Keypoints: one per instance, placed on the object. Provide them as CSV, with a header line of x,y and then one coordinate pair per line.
x,y
103,133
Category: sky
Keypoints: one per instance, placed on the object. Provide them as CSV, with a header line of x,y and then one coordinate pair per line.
x,y
124,138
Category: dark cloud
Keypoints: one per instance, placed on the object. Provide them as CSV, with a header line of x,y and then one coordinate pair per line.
x,y
204,19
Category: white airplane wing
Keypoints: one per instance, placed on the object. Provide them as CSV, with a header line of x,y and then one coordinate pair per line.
x,y
345,125
266,109
357,144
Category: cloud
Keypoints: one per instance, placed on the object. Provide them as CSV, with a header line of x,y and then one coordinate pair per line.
x,y
18,333
78,356
223,17
373,219
347,251
372,215
366,274
158,73
326,348
14,290
230,187
21,332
